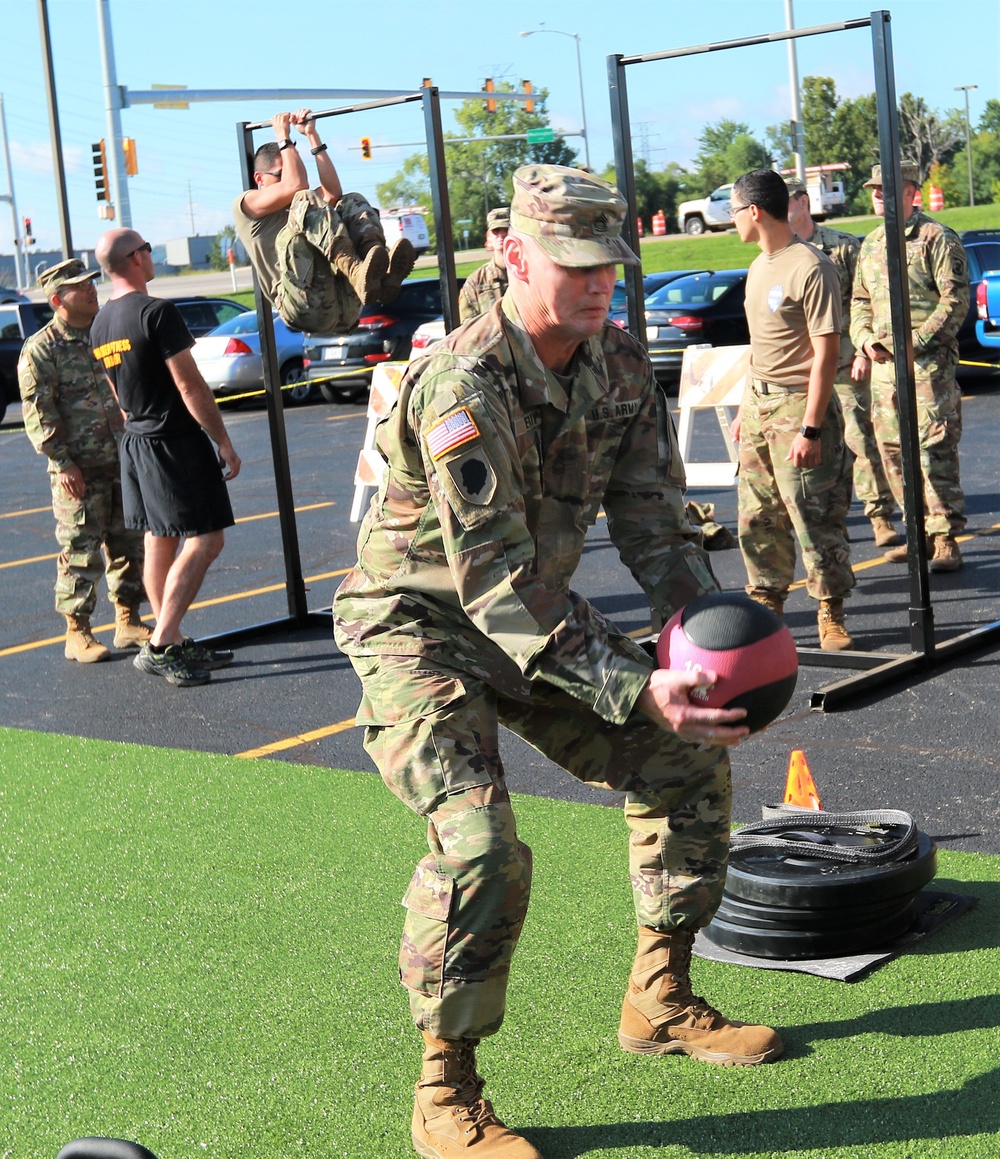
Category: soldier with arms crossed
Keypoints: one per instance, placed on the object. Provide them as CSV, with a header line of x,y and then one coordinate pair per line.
x,y
504,444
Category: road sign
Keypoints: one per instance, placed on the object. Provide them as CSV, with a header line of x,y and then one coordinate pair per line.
x,y
540,136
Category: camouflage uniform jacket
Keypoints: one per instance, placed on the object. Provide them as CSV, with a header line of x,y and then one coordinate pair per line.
x,y
482,288
70,412
938,274
842,249
496,469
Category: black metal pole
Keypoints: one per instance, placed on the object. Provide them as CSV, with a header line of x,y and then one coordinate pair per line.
x,y
625,177
441,205
57,156
921,612
295,590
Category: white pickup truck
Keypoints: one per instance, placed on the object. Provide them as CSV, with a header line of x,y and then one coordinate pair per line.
x,y
694,217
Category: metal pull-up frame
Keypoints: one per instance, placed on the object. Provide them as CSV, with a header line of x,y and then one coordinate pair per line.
x,y
880,669
299,615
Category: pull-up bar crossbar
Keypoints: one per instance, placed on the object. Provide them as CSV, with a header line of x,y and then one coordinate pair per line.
x,y
198,96
765,38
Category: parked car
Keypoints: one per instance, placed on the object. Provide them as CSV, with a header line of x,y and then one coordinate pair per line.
x,y
202,315
426,335
383,334
983,249
18,320
230,360
706,307
650,284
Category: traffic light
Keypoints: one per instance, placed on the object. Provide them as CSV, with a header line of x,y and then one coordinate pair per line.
x,y
131,163
366,148
100,171
491,105
529,105
28,239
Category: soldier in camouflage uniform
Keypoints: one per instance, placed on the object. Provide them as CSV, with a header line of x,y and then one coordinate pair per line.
x,y
319,253
852,384
505,442
71,417
938,284
795,469
486,285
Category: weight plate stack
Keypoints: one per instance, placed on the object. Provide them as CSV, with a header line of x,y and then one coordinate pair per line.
x,y
794,903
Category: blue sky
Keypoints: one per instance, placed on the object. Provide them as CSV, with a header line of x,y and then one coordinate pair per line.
x,y
188,160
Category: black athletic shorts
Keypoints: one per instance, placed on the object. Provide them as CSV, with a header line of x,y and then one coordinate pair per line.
x,y
173,485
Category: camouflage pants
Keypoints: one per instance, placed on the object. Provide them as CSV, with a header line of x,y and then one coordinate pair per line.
x,y
870,483
776,498
939,428
312,293
432,733
83,527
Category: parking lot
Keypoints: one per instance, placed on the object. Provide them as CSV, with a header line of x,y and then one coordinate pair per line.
x,y
929,746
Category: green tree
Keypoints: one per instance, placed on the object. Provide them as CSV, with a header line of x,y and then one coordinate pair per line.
x,y
727,150
479,170
218,251
654,191
990,120
925,138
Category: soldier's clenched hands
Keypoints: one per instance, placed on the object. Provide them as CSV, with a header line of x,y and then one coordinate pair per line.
x,y
666,701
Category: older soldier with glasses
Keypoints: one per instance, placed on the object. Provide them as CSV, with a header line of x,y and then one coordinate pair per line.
x,y
504,444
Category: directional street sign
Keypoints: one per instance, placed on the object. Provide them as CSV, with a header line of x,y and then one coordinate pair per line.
x,y
540,136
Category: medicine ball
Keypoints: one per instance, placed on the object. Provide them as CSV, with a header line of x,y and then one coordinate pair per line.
x,y
749,648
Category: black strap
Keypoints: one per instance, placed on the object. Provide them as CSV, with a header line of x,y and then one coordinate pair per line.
x,y
809,840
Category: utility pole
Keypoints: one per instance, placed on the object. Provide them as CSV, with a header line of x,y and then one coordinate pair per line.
x,y
20,257
113,106
968,137
57,157
793,84
191,210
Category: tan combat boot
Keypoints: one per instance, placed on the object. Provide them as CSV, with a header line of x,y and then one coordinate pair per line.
x,y
885,534
402,257
772,600
661,1015
80,642
450,1116
946,556
833,635
130,631
366,275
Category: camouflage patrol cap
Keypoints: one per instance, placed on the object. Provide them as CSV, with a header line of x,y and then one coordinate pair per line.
x,y
910,173
795,186
498,218
71,272
575,217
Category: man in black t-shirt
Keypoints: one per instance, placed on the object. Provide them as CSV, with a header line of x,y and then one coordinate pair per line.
x,y
173,478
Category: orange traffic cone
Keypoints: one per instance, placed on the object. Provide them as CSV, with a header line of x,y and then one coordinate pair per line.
x,y
800,788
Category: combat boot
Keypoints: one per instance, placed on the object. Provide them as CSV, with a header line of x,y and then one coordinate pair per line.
x,y
366,275
130,631
450,1116
401,260
946,556
80,642
770,599
833,635
660,1014
885,534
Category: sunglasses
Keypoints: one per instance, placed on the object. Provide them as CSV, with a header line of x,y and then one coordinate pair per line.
x,y
145,248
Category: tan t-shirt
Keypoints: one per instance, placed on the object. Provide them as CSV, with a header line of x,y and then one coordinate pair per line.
x,y
259,236
792,295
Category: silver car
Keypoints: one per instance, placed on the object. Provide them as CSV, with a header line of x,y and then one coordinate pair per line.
x,y
230,361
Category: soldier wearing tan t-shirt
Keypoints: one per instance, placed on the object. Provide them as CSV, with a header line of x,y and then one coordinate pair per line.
x,y
795,469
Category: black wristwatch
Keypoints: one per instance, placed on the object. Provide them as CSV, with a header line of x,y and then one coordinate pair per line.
x,y
810,433
288,143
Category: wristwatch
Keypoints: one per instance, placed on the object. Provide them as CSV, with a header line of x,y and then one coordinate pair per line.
x,y
810,433
288,143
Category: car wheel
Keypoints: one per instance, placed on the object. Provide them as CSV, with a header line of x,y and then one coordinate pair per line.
x,y
300,389
348,392
694,226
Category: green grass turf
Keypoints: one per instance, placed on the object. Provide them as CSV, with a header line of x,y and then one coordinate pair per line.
x,y
199,955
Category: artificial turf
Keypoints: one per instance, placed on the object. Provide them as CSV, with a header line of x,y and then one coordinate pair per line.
x,y
200,956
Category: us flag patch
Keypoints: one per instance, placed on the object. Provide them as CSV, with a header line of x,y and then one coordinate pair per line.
x,y
456,429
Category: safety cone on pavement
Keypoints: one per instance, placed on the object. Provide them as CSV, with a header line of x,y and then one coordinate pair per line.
x,y
800,788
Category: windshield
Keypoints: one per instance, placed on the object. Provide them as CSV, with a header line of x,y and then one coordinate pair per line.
x,y
696,290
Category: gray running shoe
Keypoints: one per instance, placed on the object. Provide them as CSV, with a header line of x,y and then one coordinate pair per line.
x,y
172,665
199,656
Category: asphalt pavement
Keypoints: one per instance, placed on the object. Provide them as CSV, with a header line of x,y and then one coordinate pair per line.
x,y
927,745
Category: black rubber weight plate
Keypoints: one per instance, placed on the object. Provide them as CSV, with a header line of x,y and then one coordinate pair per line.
x,y
768,917
772,877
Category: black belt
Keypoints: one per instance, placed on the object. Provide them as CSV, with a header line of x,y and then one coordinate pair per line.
x,y
759,386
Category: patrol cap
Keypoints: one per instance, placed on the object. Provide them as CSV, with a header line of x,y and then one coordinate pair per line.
x,y
498,218
575,217
795,186
71,272
910,173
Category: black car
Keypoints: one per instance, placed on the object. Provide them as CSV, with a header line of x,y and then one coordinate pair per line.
x,y
382,334
705,307
202,315
983,249
650,284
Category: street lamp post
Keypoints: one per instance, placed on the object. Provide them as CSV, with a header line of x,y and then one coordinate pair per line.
x,y
968,136
579,73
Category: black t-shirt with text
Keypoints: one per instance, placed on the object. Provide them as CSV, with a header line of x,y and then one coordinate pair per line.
x,y
132,337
